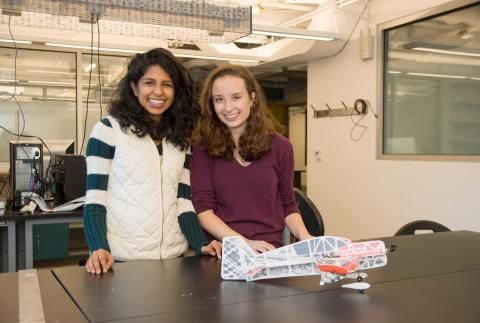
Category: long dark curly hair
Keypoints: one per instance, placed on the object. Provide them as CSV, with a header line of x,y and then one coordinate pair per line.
x,y
178,121
214,135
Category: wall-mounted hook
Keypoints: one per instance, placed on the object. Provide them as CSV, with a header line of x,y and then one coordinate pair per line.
x,y
359,107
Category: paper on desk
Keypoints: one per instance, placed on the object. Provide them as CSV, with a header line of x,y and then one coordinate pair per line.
x,y
69,206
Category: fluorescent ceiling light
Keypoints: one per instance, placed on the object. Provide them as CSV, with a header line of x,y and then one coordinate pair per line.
x,y
61,83
50,72
394,72
61,73
94,48
136,51
290,33
343,3
51,82
445,51
16,41
439,75
89,67
9,80
475,78
218,58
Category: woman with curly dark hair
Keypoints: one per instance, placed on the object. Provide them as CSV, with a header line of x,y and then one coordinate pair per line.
x,y
242,170
138,203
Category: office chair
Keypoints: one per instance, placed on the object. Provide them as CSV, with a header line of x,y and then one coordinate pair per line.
x,y
310,214
411,227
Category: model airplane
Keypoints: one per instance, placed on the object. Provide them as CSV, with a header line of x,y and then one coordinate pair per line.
x,y
333,258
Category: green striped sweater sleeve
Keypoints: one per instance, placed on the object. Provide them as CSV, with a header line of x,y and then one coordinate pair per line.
x,y
187,217
100,152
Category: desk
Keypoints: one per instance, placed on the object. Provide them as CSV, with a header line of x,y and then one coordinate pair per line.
x,y
57,306
430,278
9,259
21,224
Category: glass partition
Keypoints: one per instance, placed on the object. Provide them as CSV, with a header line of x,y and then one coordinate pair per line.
x,y
44,86
112,69
431,83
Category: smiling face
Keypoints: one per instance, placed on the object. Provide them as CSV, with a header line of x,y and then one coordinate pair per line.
x,y
155,91
232,103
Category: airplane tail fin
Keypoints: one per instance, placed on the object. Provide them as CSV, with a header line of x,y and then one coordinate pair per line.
x,y
236,257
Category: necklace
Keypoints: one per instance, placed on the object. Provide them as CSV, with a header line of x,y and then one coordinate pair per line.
x,y
240,160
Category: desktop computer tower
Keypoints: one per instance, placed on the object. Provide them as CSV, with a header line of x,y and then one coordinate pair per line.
x,y
69,176
26,171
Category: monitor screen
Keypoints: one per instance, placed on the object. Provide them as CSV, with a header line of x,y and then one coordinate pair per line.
x,y
56,147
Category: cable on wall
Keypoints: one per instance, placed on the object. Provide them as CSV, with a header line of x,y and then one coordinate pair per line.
x,y
12,96
89,86
99,69
351,33
360,107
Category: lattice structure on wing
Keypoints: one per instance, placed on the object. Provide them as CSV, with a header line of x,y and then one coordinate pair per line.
x,y
190,20
332,257
298,259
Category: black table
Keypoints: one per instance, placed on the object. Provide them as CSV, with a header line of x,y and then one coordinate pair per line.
x,y
430,278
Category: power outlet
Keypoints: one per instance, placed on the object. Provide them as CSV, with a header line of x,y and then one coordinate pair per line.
x,y
318,154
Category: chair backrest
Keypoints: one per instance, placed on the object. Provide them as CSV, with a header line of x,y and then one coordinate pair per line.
x,y
310,214
411,227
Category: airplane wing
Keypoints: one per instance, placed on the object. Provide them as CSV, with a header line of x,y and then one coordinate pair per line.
x,y
240,262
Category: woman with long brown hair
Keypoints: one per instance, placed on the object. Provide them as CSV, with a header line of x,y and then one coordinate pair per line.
x,y
242,170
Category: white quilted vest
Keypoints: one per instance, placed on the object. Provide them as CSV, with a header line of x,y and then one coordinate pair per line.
x,y
141,203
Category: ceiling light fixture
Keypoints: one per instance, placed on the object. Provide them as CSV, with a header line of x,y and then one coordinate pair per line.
x,y
51,82
291,33
438,75
445,51
243,60
343,3
138,51
95,48
50,72
16,41
89,67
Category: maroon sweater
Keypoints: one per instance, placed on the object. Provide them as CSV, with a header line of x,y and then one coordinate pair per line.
x,y
253,200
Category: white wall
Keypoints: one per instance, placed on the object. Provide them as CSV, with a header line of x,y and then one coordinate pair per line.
x,y
358,195
296,135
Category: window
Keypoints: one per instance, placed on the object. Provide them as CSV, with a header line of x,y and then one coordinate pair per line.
x,y
113,68
44,86
46,92
431,83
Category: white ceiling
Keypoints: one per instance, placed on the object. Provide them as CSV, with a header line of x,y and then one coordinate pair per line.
x,y
326,17
281,62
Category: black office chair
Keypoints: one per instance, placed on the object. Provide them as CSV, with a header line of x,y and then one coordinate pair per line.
x,y
310,214
411,227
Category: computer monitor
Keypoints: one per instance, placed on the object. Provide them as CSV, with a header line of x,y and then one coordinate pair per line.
x,y
56,147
